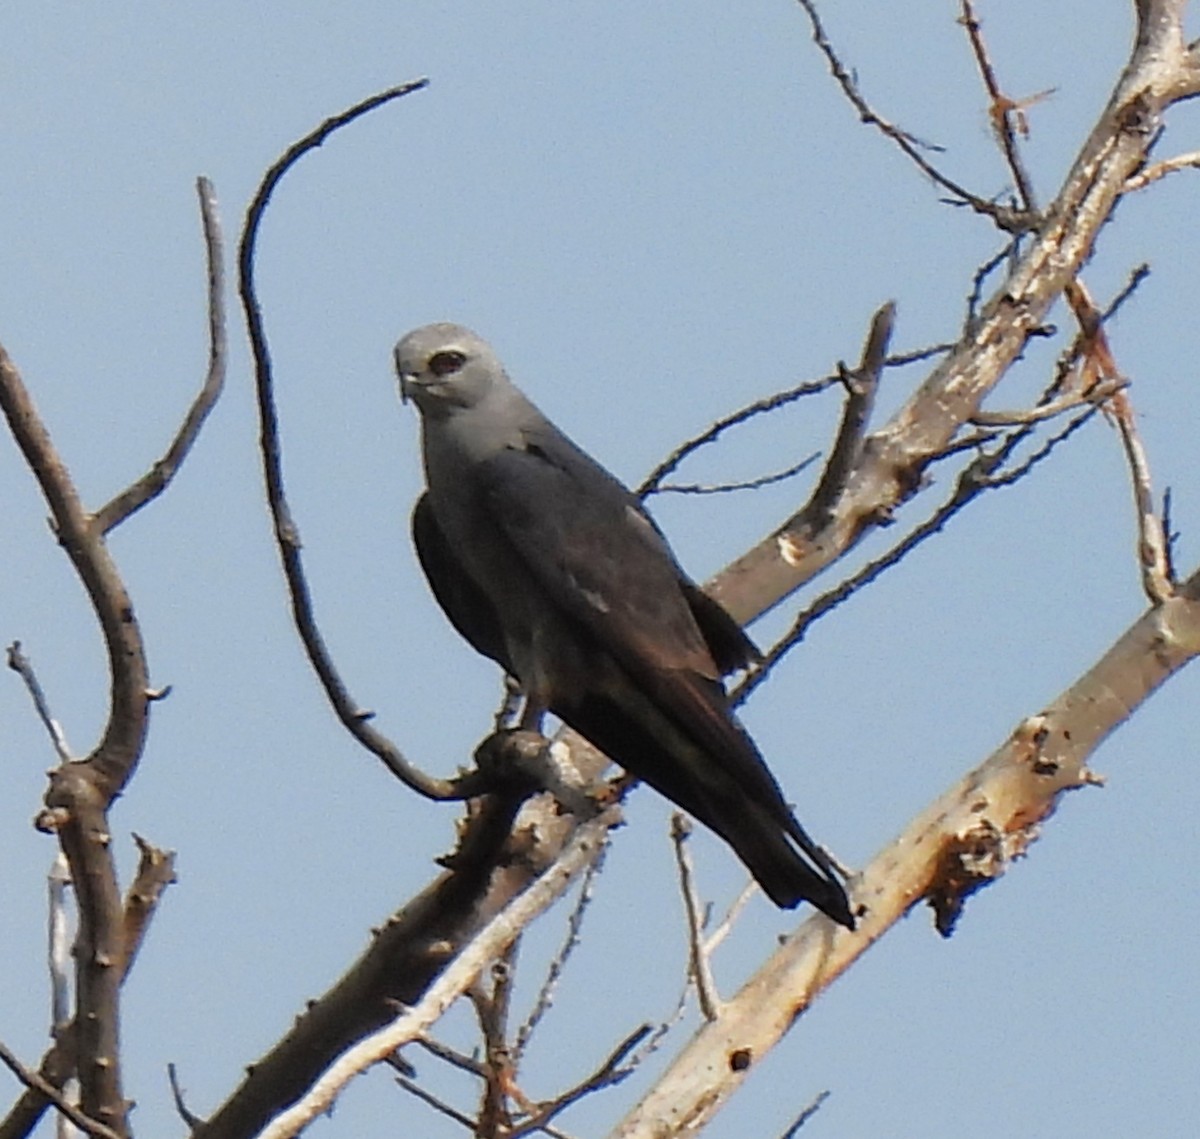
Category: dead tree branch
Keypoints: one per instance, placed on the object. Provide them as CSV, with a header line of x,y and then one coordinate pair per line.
x,y
158,478
287,535
962,841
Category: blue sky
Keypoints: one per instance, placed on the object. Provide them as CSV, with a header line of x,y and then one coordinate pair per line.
x,y
656,213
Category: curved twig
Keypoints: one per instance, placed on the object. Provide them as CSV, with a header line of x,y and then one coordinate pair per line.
x,y
287,536
157,478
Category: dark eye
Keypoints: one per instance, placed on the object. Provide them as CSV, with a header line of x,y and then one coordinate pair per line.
x,y
443,363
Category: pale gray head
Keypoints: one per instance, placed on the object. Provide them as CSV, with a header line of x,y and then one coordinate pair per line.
x,y
446,366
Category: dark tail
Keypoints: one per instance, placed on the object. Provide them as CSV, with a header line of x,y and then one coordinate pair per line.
x,y
785,862
784,872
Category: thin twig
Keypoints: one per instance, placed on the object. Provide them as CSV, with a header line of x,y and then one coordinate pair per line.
x,y
439,1105
1137,276
21,665
157,479
725,926
451,983
1043,411
1157,170
918,355
804,1116
177,1094
744,484
1003,109
706,985
451,1055
287,536
979,476
546,993
1153,559
1013,221
31,1079
653,480
981,275
607,1075
1100,363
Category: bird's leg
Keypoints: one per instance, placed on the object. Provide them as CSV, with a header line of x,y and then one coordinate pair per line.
x,y
506,716
532,714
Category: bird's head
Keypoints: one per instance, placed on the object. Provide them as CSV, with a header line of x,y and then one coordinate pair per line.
x,y
446,366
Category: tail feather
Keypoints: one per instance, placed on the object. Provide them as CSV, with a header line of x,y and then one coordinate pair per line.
x,y
764,834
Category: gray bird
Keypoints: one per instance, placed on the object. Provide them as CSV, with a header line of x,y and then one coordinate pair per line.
x,y
548,565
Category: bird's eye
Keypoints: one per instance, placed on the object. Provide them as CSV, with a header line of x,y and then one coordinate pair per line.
x,y
443,363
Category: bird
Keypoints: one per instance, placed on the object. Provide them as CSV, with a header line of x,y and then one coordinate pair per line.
x,y
547,564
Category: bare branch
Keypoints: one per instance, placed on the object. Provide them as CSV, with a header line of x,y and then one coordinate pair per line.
x,y
652,482
451,983
157,479
1013,221
1157,170
1096,395
1153,553
155,872
558,963
804,1116
896,455
725,926
1007,253
607,1075
706,985
861,386
981,475
1003,802
113,760
1004,111
439,1105
79,794
178,1095
32,1080
451,1056
21,665
287,536
744,484
1153,556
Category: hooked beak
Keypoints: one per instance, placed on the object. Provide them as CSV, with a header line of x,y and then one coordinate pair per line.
x,y
406,379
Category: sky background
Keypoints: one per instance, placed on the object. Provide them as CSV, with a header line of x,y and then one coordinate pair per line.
x,y
656,213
